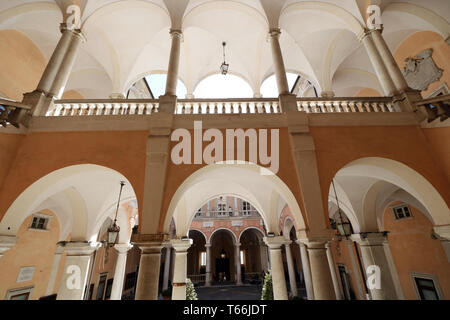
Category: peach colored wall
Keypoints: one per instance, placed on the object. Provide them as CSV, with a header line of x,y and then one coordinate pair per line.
x,y
438,139
9,143
338,146
33,249
21,64
177,174
120,151
425,40
414,250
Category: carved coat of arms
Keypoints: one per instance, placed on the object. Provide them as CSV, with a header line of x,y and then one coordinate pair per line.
x,y
421,71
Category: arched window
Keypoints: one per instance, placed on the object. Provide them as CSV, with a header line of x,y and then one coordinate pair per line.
x,y
269,88
153,86
219,86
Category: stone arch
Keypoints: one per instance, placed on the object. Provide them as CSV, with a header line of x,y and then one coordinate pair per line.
x,y
201,232
233,236
250,228
237,181
404,177
433,19
82,208
346,17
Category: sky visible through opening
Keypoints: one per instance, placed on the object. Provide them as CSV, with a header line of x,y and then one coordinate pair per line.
x,y
219,86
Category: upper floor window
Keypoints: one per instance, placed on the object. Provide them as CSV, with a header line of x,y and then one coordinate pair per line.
x,y
246,208
401,212
40,222
221,207
203,259
426,287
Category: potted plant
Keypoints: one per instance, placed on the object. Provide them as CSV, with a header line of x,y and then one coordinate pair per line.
x,y
190,291
267,290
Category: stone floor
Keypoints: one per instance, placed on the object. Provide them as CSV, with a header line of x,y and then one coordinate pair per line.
x,y
233,292
229,292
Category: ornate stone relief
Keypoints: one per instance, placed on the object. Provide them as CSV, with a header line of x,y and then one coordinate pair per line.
x,y
421,71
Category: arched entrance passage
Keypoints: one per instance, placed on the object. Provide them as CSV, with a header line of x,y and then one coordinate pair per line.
x,y
223,258
239,180
255,254
196,264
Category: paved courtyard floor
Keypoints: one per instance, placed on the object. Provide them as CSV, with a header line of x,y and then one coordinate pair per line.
x,y
229,293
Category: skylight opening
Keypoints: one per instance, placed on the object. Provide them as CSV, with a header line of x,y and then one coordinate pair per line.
x,y
218,86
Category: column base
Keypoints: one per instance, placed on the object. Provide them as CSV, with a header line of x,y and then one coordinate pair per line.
x,y
167,104
288,103
39,102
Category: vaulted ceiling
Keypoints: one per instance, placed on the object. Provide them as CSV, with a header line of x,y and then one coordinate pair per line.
x,y
129,39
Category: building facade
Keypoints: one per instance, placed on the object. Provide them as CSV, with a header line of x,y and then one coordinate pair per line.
x,y
338,182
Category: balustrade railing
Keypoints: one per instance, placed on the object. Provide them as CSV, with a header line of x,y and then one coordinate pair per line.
x,y
11,112
438,107
345,105
68,108
197,278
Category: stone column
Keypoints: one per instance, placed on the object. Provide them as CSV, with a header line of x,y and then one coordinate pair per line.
x,y
237,258
148,278
54,272
57,72
280,71
290,264
278,279
378,65
389,61
381,285
119,271
180,272
167,268
208,265
76,269
334,278
174,63
306,270
320,271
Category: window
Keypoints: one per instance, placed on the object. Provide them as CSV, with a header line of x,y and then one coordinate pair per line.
x,y
426,288
401,212
203,259
246,208
221,207
242,256
19,294
40,222
345,281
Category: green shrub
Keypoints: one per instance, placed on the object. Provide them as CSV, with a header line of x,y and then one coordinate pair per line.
x,y
267,290
190,291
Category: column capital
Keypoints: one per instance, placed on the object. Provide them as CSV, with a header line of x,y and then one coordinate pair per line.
x,y
79,248
275,242
238,244
7,242
363,34
208,245
370,238
176,33
123,247
443,231
77,32
274,33
181,245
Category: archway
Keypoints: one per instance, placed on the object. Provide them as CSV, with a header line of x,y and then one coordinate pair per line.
x,y
222,256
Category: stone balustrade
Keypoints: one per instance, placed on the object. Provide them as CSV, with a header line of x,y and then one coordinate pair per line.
x,y
437,107
345,105
68,108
